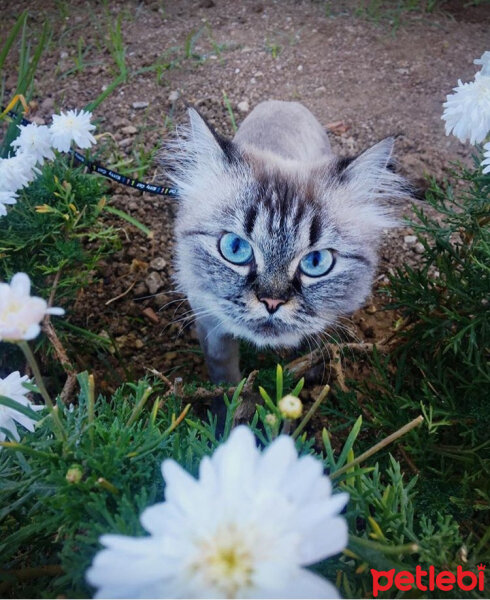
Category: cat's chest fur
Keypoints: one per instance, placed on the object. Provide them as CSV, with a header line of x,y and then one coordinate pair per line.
x,y
275,236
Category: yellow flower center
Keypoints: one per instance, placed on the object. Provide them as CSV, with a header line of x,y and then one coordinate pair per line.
x,y
225,562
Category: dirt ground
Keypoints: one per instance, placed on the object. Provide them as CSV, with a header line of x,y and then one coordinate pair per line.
x,y
364,78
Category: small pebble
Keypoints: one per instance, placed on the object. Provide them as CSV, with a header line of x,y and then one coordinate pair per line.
x,y
150,314
410,239
173,96
243,106
419,248
153,282
139,105
158,264
129,130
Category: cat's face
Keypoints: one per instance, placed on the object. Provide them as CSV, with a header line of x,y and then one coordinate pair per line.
x,y
272,254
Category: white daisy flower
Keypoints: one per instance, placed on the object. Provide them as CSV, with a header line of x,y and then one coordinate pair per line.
x,y
72,127
246,528
34,140
484,60
12,388
467,111
6,198
21,313
486,158
16,172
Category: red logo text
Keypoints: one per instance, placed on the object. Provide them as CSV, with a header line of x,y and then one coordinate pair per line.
x,y
428,580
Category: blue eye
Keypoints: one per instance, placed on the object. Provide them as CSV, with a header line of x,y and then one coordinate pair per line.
x,y
235,249
317,263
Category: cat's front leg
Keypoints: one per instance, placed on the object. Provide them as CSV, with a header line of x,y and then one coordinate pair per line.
x,y
221,351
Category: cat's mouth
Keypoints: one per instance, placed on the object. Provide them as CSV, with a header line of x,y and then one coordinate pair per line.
x,y
270,326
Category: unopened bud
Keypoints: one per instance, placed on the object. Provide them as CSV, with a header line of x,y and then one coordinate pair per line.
x,y
290,407
271,419
74,474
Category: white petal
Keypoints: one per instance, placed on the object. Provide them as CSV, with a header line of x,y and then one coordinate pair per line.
x,y
308,585
276,461
327,538
21,284
55,311
181,488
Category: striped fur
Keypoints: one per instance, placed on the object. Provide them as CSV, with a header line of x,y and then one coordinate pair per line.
x,y
277,185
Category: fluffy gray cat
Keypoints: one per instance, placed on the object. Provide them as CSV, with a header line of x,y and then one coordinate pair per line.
x,y
276,236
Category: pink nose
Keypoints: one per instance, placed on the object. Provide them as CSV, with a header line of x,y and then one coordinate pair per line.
x,y
271,304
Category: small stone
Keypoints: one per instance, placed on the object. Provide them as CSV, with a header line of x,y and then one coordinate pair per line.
x,y
139,344
150,314
173,96
38,120
243,106
140,105
47,105
153,282
419,248
129,130
158,264
371,309
140,289
300,68
119,122
125,142
64,55
122,340
410,239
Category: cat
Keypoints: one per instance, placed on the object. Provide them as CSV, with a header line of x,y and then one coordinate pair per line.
x,y
276,237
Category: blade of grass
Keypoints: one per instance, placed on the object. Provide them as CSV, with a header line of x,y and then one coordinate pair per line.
x,y
121,214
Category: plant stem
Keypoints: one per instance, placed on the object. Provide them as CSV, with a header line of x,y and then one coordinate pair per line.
x,y
377,447
311,412
139,407
400,549
26,349
91,408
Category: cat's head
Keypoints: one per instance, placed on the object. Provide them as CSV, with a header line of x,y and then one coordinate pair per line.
x,y
273,250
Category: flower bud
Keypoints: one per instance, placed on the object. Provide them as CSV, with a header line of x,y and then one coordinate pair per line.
x,y
271,419
290,407
74,474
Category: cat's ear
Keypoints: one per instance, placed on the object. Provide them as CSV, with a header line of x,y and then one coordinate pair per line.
x,y
372,188
205,142
198,160
373,170
372,175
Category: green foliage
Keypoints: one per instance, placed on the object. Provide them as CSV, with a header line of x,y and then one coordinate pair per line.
x,y
442,360
440,368
55,227
28,60
393,13
58,496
